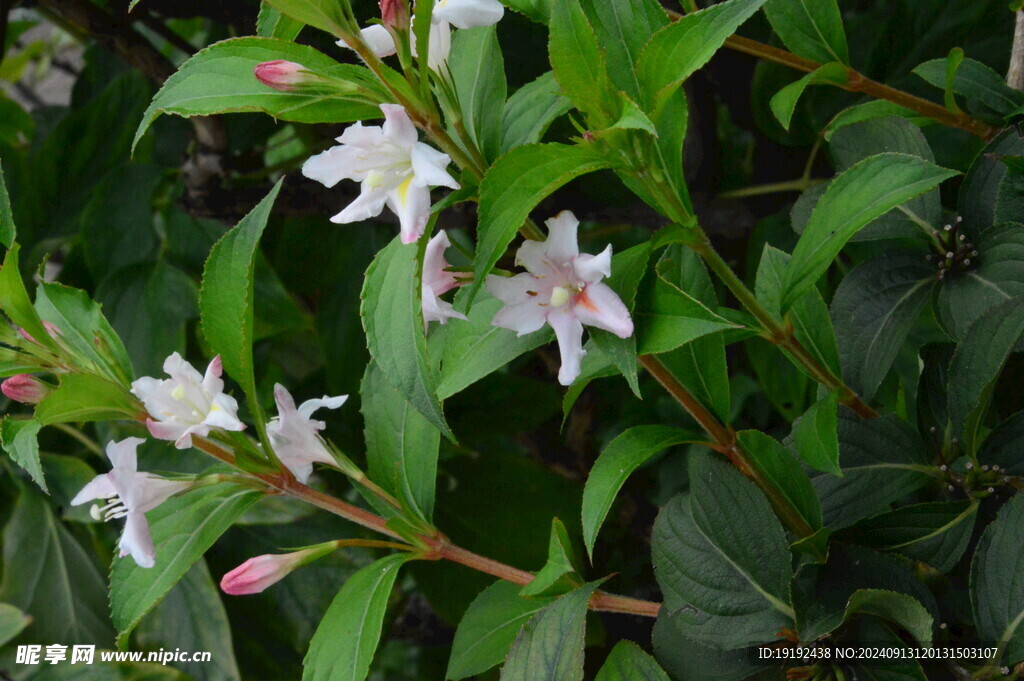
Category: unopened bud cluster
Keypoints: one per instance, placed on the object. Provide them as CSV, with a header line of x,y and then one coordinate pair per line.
x,y
955,253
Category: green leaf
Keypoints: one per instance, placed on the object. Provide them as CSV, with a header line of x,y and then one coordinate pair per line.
x,y
863,193
686,659
998,276
50,577
717,592
327,15
12,622
997,583
954,60
473,349
809,315
83,328
628,268
393,320
675,304
18,437
976,365
579,64
346,640
901,609
16,304
183,528
623,455
86,397
823,594
873,110
478,73
815,435
873,310
623,29
1003,445
983,191
854,143
677,51
628,662
401,444
550,645
559,573
784,472
219,79
7,229
975,81
226,297
192,617
935,533
514,185
701,366
270,23
810,28
783,103
489,628
883,460
530,111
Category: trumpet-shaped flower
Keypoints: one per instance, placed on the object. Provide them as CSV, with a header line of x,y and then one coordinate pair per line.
x,y
129,494
395,170
562,288
447,13
436,281
187,403
294,435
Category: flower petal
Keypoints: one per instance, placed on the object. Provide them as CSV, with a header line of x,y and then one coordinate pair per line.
x,y
377,39
136,540
594,268
562,243
429,164
398,129
437,310
598,305
334,165
522,319
469,13
569,333
411,203
212,380
307,408
99,487
435,277
520,289
122,453
368,204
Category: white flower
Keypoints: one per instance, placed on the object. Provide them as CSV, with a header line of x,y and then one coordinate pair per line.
x,y
395,169
561,288
129,495
187,403
447,13
294,435
436,281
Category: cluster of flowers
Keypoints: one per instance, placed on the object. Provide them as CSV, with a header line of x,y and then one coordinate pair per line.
x,y
185,405
561,288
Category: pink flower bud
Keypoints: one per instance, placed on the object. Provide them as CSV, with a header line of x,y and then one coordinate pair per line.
x,y
25,388
394,14
257,573
279,74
